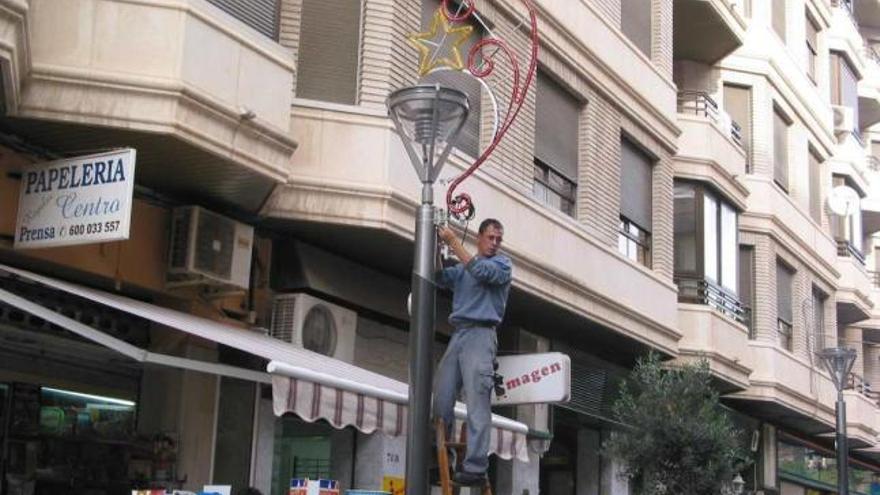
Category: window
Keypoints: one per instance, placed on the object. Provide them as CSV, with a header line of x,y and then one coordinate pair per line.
x,y
779,18
746,289
261,15
557,122
738,104
780,148
818,327
784,318
844,86
848,231
636,183
812,47
635,22
815,185
706,249
469,139
329,48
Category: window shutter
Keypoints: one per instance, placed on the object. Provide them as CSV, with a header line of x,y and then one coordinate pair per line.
x,y
329,51
636,182
780,149
261,15
849,92
746,274
635,22
469,138
738,104
556,127
784,280
815,187
779,18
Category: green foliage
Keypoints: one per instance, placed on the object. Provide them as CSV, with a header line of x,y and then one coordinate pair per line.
x,y
679,441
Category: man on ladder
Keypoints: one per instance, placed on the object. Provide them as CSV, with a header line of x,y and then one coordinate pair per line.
x,y
480,285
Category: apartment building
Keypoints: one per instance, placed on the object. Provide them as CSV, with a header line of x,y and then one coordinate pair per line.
x,y
664,189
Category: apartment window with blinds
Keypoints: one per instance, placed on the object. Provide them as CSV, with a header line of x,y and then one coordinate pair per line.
x,y
557,119
812,38
819,299
738,104
469,139
778,18
635,22
329,47
844,86
636,183
706,249
848,231
261,15
784,314
815,175
746,285
780,148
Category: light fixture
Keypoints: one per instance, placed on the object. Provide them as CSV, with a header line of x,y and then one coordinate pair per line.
x,y
839,362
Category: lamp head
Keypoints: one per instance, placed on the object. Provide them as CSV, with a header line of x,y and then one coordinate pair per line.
x,y
428,119
839,362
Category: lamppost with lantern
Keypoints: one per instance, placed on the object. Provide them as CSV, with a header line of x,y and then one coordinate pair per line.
x,y
839,362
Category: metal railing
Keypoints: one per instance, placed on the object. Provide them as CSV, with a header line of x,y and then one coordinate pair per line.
x,y
847,6
702,291
871,53
875,278
873,163
845,248
700,103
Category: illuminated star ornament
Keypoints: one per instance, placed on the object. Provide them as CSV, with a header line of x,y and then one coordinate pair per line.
x,y
425,42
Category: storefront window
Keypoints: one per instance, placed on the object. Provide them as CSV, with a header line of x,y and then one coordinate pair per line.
x,y
818,470
310,450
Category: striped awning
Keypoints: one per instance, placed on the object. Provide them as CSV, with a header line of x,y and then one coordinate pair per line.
x,y
371,403
310,385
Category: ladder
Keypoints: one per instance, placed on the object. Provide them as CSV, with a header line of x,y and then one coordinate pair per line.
x,y
447,486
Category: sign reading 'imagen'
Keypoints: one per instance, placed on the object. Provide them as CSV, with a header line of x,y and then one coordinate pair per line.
x,y
76,200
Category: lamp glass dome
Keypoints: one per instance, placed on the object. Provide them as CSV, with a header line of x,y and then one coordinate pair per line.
x,y
839,362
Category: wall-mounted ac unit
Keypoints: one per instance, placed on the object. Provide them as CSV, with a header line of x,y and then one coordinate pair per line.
x,y
314,324
844,119
207,248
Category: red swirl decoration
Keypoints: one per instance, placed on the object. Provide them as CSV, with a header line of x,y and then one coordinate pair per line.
x,y
461,205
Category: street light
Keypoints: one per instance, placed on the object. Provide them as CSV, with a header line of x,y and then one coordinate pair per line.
x,y
839,362
428,120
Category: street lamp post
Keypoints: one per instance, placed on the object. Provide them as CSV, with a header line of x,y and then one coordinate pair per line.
x,y
428,120
839,362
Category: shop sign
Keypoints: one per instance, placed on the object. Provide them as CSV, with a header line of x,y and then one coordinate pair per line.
x,y
76,200
532,379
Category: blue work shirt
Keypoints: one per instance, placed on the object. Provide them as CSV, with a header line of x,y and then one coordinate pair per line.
x,y
479,288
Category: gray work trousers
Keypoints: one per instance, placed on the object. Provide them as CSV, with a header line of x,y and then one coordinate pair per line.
x,y
468,364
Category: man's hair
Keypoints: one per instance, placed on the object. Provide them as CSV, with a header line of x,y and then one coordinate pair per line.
x,y
490,222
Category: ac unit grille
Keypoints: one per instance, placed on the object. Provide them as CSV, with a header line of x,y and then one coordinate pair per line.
x,y
319,331
283,319
214,244
180,237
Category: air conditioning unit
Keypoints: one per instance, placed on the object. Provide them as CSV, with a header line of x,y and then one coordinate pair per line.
x,y
314,324
207,248
844,119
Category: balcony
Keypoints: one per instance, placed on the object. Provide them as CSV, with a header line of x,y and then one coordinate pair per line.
x,y
713,325
861,411
789,390
868,13
710,145
855,285
706,30
204,98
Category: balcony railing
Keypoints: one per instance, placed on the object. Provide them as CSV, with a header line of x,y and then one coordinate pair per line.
x,y
700,103
784,331
871,53
873,163
701,291
845,248
847,6
875,278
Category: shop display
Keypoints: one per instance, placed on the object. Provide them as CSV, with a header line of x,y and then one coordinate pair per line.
x,y
305,486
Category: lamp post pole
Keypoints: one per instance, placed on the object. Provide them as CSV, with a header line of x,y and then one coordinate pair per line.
x,y
428,120
839,362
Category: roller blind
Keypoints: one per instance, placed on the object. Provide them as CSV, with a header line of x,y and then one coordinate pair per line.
x,y
469,139
779,17
815,187
780,149
635,22
784,280
556,127
261,15
738,104
329,48
636,181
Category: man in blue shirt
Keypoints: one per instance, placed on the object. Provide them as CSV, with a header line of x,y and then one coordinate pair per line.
x,y
480,286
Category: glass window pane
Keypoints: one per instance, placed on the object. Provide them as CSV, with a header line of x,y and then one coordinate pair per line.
x,y
621,244
710,237
685,220
728,248
856,229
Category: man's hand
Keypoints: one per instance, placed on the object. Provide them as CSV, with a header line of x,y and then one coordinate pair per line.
x,y
449,237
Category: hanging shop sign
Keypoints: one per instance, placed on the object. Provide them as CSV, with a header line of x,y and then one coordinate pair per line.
x,y
76,200
532,379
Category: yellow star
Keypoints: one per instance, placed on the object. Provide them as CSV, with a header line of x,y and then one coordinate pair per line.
x,y
428,59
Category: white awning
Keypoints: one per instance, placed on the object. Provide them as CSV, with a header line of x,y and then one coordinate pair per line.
x,y
308,384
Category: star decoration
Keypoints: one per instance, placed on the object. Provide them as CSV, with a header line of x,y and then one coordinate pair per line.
x,y
424,42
